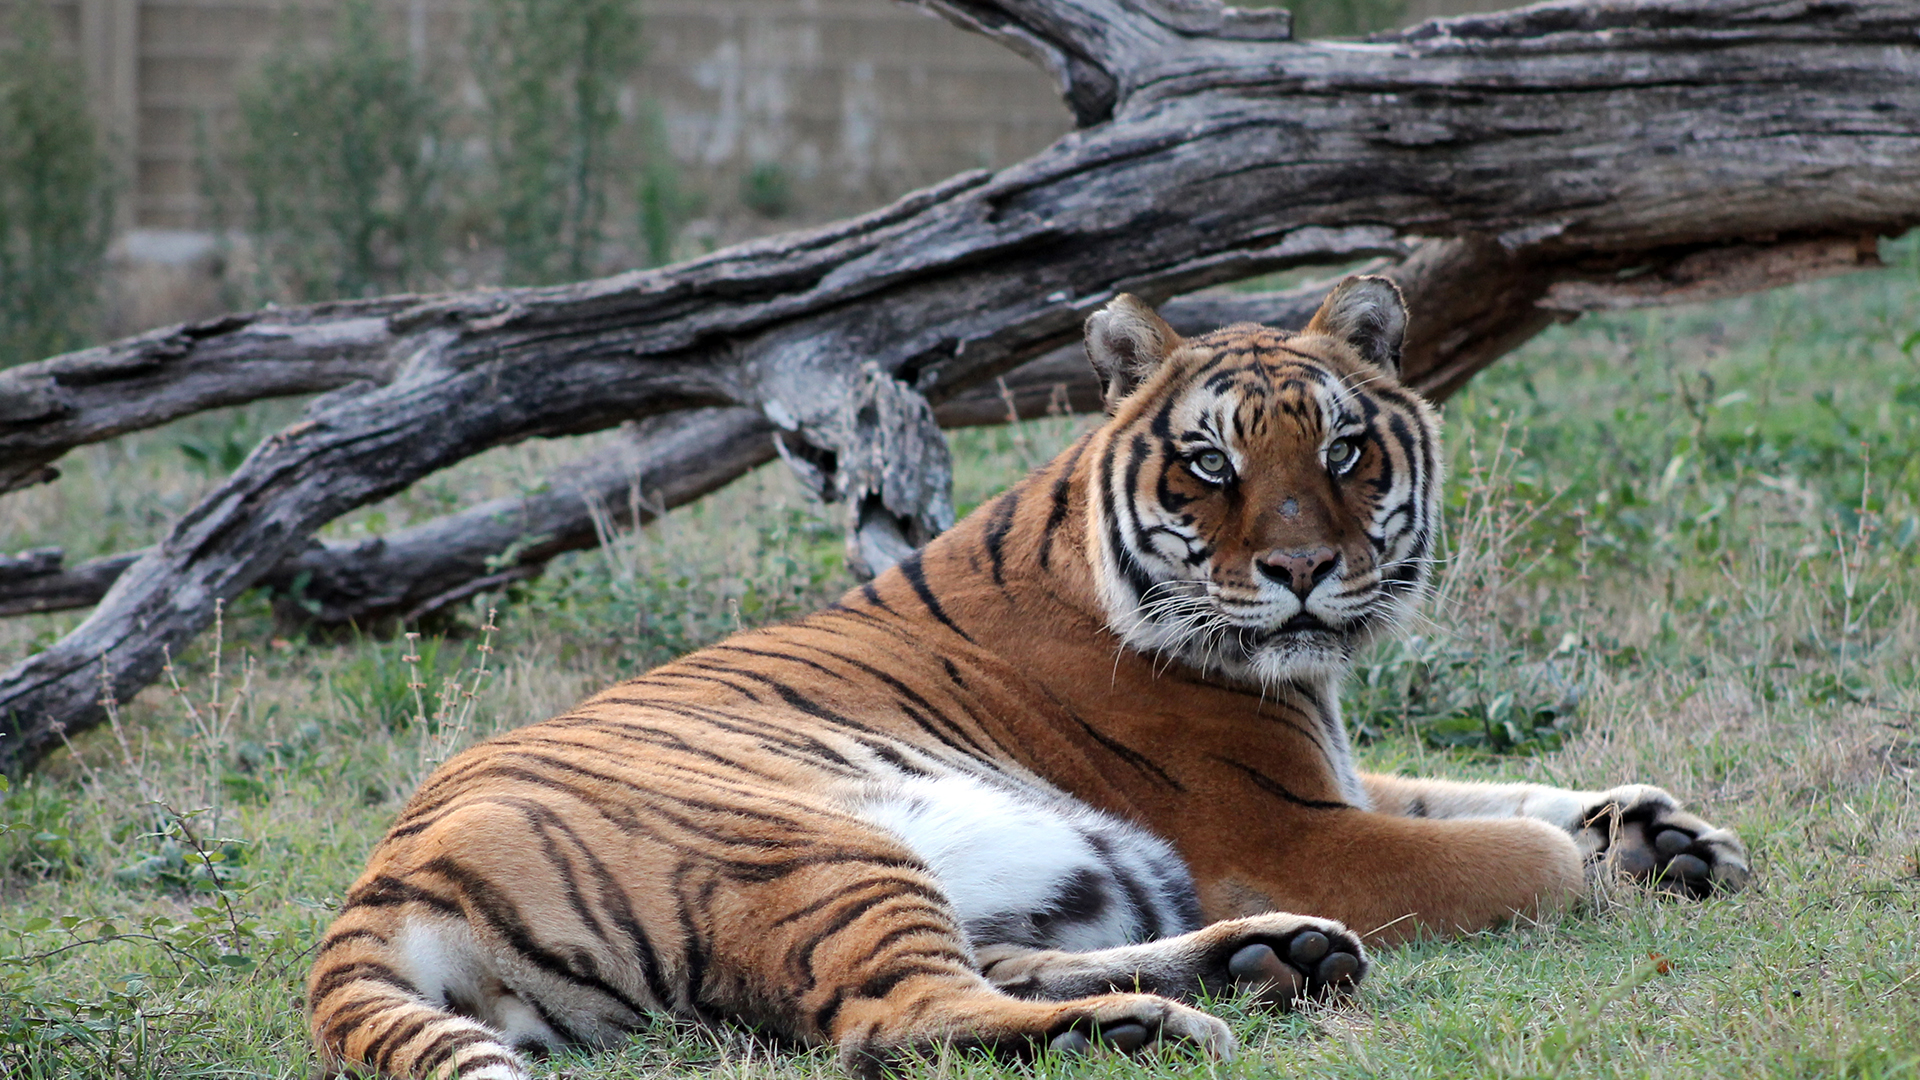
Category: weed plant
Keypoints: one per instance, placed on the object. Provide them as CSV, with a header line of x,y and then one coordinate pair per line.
x,y
354,170
552,71
341,165
56,198
663,205
1680,549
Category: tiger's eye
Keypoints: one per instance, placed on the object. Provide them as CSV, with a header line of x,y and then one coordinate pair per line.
x,y
1212,462
1341,452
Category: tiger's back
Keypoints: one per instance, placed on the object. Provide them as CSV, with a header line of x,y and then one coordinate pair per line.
x,y
1084,743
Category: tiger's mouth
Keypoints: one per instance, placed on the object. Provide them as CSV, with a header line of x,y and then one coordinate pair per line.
x,y
1303,628
1302,623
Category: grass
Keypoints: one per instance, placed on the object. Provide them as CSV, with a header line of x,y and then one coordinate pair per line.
x,y
1684,550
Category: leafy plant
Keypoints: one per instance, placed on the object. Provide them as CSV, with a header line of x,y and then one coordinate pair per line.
x,y
1456,696
663,204
35,832
343,162
551,71
56,199
767,190
384,683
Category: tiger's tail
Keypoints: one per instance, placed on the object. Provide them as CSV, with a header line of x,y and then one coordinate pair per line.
x,y
383,998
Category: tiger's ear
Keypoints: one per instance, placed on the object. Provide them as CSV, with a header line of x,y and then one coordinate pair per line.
x,y
1126,341
1369,314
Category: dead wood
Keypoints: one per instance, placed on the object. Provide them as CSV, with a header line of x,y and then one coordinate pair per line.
x,y
1603,141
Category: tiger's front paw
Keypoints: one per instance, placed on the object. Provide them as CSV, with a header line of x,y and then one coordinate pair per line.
x,y
1640,831
1281,958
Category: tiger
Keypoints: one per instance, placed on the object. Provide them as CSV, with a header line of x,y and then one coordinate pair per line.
x,y
1070,771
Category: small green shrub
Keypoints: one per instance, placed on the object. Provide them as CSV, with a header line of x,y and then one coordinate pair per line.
x,y
56,200
35,831
342,158
767,190
385,684
1454,695
551,71
663,205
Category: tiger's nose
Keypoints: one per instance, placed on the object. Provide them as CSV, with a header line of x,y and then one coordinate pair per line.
x,y
1297,570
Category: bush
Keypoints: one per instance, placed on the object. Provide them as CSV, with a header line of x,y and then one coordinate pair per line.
x,y
341,156
551,71
347,183
56,201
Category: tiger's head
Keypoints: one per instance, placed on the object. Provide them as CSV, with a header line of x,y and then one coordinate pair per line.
x,y
1263,502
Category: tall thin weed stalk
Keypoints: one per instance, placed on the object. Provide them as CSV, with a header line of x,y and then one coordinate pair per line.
x,y
1486,556
446,730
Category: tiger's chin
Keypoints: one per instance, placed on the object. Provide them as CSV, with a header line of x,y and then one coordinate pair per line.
x,y
1302,649
1289,653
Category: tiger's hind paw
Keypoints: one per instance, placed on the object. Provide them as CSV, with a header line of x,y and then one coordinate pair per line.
x,y
1641,832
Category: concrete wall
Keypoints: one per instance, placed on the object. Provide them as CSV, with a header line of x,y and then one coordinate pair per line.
x,y
858,100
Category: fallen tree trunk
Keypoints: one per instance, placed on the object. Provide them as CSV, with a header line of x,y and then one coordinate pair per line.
x,y
1479,303
658,464
1604,143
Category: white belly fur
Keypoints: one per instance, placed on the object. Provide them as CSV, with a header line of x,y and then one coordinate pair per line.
x,y
1035,867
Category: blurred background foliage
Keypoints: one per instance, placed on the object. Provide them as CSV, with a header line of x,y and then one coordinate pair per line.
x,y
56,198
353,166
357,170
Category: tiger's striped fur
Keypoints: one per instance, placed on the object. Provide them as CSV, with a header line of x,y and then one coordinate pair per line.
x,y
1065,768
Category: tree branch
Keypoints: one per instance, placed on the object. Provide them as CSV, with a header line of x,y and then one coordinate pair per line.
x,y
1562,135
1480,303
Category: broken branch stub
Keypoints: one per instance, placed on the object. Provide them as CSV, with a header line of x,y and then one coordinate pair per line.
x,y
877,451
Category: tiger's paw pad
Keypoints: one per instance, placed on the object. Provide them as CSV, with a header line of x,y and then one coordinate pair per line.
x,y
1127,1038
1134,1032
1642,833
1312,962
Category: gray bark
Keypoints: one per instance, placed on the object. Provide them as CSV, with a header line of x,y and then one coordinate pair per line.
x,y
659,463
1592,142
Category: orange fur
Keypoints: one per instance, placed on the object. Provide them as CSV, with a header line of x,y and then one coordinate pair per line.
x,y
690,841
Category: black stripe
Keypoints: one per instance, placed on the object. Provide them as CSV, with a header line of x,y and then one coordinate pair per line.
x,y
337,1024
751,727
998,525
904,885
701,676
931,711
800,954
379,1053
385,891
1126,753
909,929
1062,492
436,1053
915,572
486,1061
358,971
872,596
499,913
1274,787
333,941
1263,700
1136,893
